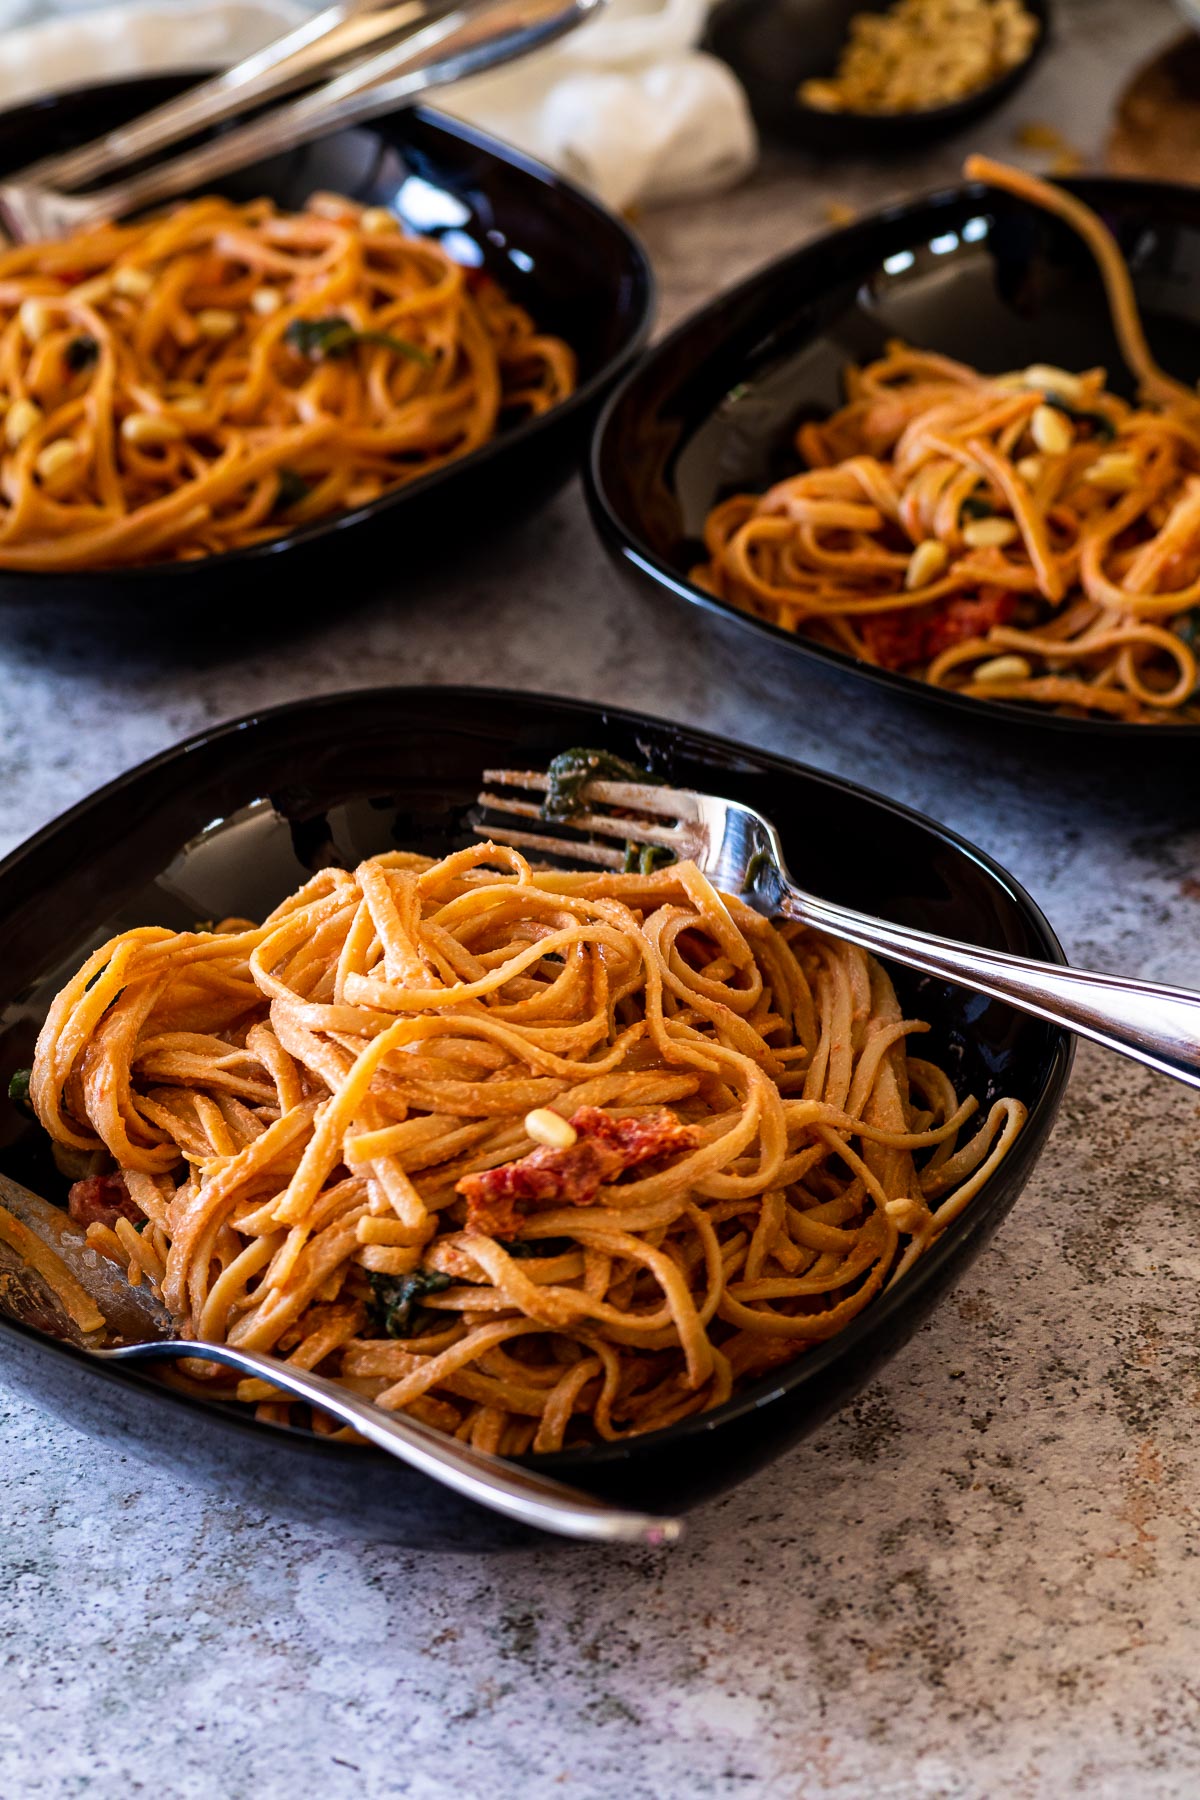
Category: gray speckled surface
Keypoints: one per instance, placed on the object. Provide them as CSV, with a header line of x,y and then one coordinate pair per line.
x,y
979,1581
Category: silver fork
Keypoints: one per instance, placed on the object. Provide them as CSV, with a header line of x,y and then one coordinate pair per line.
x,y
739,850
315,47
519,1492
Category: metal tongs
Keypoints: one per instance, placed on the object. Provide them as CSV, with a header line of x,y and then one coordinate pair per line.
x,y
377,57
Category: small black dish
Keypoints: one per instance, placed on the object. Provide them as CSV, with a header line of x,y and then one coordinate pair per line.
x,y
576,267
236,818
713,409
774,45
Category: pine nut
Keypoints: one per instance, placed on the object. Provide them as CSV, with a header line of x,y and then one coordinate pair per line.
x,y
33,316
214,322
1003,668
328,206
56,457
1051,431
926,563
907,1215
822,94
23,416
550,1128
986,534
1053,381
266,300
135,284
189,403
377,219
1030,469
149,428
1117,470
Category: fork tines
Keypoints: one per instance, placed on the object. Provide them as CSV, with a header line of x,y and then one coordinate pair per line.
x,y
666,818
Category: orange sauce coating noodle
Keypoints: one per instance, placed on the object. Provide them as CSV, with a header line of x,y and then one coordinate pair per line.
x,y
221,374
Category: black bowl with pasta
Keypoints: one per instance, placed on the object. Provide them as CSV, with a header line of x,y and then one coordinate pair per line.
x,y
969,273
385,769
520,234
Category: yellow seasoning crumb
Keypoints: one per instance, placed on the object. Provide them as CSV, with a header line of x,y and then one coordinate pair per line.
x,y
1034,135
1047,140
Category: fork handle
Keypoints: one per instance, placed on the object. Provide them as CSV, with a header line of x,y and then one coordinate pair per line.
x,y
314,44
504,1487
1155,1025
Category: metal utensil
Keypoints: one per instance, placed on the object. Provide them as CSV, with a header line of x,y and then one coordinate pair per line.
x,y
519,1493
311,49
469,40
739,850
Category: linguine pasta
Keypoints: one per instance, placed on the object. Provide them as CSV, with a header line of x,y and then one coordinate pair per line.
x,y
1026,536
541,1158
218,375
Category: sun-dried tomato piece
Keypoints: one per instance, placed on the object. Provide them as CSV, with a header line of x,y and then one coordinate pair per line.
x,y
604,1149
101,1200
916,634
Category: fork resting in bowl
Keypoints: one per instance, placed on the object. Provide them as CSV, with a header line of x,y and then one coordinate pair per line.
x,y
740,852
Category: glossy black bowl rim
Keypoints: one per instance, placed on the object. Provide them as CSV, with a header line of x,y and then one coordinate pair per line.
x,y
645,300
946,118
793,263
802,1369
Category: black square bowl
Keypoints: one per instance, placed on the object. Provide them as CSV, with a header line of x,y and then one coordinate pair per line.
x,y
237,817
577,268
774,46
713,408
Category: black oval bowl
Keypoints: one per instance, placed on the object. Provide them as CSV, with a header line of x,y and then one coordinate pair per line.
x,y
712,410
384,768
774,45
580,272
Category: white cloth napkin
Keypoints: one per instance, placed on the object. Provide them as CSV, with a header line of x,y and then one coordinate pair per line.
x,y
626,104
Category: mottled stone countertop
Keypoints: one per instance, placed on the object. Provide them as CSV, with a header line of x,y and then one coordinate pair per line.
x,y
978,1581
